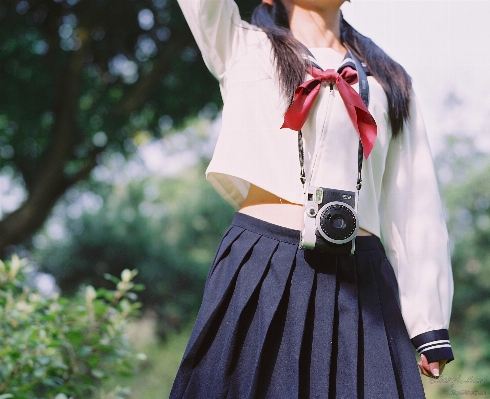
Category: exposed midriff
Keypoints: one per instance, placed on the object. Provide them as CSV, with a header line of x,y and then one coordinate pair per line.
x,y
264,205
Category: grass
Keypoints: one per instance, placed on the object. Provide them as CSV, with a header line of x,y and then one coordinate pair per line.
x,y
155,379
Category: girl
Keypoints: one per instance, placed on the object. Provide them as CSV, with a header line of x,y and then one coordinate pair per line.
x,y
280,321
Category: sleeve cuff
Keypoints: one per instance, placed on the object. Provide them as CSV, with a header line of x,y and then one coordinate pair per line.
x,y
434,345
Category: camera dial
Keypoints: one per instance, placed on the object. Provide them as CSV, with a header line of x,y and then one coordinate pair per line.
x,y
337,222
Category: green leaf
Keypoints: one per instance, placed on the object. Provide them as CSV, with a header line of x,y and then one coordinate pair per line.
x,y
76,337
93,361
139,287
111,278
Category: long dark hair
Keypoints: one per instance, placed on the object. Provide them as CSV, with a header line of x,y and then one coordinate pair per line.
x,y
291,64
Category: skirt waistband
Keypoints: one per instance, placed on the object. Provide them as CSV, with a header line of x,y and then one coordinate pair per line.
x,y
291,236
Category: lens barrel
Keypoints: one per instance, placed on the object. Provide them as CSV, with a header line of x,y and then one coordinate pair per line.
x,y
337,222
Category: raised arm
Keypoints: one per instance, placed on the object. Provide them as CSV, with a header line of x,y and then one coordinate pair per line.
x,y
416,239
219,32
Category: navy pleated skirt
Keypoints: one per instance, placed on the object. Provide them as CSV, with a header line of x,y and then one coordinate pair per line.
x,y
284,323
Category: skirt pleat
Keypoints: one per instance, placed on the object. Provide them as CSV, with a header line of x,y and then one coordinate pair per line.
x,y
239,283
245,375
318,338
224,248
281,374
378,378
347,337
404,371
279,322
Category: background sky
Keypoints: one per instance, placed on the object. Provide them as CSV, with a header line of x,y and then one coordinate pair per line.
x,y
445,47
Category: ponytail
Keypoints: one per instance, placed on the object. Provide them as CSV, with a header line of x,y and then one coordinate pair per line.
x,y
291,64
288,52
392,77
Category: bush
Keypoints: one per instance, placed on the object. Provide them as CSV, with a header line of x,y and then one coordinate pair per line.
x,y
167,228
60,347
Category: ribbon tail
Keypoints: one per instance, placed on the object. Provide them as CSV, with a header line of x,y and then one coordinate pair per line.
x,y
362,120
368,130
304,96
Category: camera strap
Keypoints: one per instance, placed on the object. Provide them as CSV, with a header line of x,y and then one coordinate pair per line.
x,y
349,60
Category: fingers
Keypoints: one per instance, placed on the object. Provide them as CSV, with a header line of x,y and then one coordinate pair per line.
x,y
424,366
433,369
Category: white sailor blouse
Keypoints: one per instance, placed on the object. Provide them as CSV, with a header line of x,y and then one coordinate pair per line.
x,y
399,200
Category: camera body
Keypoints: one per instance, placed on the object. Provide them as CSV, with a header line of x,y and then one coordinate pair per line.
x,y
330,222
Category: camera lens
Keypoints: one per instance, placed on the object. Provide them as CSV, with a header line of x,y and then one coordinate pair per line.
x,y
338,222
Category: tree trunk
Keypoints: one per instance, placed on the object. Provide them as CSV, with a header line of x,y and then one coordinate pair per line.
x,y
51,181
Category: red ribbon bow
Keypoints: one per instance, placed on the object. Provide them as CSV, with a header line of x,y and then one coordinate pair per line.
x,y
305,94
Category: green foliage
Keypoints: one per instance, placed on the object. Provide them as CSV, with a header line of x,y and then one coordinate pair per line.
x,y
167,228
464,170
84,78
156,379
43,40
135,61
64,347
467,199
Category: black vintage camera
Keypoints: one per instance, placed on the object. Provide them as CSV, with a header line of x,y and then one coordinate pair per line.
x,y
330,222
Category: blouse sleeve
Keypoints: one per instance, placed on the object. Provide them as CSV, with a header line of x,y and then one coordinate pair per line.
x,y
218,30
414,234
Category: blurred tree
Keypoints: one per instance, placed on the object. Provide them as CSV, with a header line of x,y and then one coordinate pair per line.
x,y
464,170
79,78
166,228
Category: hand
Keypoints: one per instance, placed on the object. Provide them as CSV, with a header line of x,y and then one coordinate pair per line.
x,y
433,369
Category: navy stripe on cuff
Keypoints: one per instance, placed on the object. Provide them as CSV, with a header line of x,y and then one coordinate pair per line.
x,y
434,345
